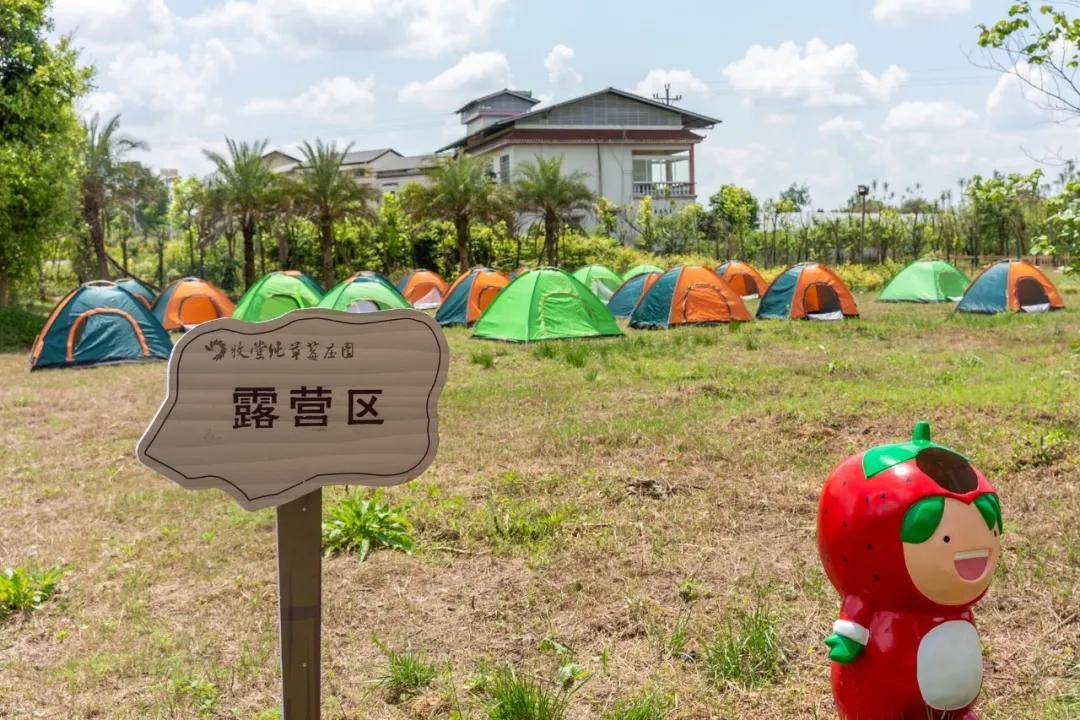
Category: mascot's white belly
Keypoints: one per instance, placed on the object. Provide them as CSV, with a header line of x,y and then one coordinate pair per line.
x,y
950,665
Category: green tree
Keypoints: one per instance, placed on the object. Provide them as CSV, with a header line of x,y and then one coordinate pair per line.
x,y
1000,205
104,149
542,187
326,194
460,190
246,183
1042,49
736,211
1063,227
39,136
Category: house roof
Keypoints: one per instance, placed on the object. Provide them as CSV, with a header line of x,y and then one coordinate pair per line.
x,y
399,165
689,119
282,153
362,157
521,94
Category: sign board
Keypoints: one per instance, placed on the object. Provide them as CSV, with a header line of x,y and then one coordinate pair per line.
x,y
271,411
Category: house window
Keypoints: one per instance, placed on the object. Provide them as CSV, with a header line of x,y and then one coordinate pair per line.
x,y
504,170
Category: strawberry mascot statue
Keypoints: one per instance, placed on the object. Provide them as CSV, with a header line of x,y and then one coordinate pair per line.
x,y
909,536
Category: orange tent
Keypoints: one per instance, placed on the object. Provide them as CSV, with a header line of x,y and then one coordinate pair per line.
x,y
469,296
1014,285
808,291
190,301
688,295
744,278
423,288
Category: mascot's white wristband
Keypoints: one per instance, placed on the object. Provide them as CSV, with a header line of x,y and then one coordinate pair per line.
x,y
852,631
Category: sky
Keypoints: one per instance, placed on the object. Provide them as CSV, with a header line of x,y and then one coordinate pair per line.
x,y
831,94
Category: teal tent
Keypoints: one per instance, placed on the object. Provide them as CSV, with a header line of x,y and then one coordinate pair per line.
x,y
137,289
96,323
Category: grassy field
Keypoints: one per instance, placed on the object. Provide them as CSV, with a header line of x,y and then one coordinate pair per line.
x,y
631,518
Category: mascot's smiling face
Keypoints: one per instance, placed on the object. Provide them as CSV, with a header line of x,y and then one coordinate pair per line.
x,y
954,563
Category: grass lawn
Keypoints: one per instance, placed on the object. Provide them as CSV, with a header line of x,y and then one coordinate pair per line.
x,y
637,514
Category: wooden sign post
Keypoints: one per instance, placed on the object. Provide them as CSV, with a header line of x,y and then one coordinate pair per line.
x,y
271,412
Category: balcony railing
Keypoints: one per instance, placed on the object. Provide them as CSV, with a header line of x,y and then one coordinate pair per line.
x,y
664,189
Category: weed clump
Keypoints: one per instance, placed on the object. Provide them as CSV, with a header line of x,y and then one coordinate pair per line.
x,y
359,524
23,590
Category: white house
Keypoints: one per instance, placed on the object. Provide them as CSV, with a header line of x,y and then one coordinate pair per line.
x,y
627,146
384,168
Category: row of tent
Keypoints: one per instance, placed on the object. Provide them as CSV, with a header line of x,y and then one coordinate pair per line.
x,y
102,321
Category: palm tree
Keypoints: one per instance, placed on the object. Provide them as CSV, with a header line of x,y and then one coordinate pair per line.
x,y
541,187
103,151
326,194
245,180
461,190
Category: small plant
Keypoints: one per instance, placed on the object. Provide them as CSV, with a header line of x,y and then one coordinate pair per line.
x,y
575,354
1041,447
23,590
521,523
676,641
750,342
546,351
408,672
591,373
570,672
202,694
642,707
359,524
482,357
747,652
512,697
690,590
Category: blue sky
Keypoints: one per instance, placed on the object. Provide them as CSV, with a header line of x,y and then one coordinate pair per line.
x,y
826,93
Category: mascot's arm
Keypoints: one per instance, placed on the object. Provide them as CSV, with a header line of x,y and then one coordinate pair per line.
x,y
849,635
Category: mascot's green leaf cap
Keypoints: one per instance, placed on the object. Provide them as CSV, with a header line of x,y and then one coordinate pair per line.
x,y
883,457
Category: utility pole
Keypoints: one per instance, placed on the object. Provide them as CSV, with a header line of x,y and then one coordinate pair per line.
x,y
863,192
667,98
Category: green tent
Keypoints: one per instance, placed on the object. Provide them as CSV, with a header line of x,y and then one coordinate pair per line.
x,y
275,294
602,281
363,293
545,304
641,270
926,281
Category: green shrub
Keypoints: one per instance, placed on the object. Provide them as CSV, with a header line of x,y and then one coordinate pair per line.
x,y
407,673
747,652
642,707
482,357
18,328
360,524
511,697
23,590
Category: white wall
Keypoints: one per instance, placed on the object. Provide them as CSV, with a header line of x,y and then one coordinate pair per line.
x,y
608,168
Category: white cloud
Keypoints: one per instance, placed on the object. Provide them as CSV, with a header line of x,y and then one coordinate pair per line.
x,y
166,85
901,12
473,75
331,100
410,27
99,102
110,24
682,82
559,64
840,125
927,116
822,76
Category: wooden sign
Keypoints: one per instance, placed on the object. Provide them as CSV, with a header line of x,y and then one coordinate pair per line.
x,y
270,411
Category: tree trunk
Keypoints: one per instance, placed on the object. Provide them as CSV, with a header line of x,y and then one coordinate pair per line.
x,y
247,228
461,229
550,222
283,249
326,243
161,261
92,216
4,285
